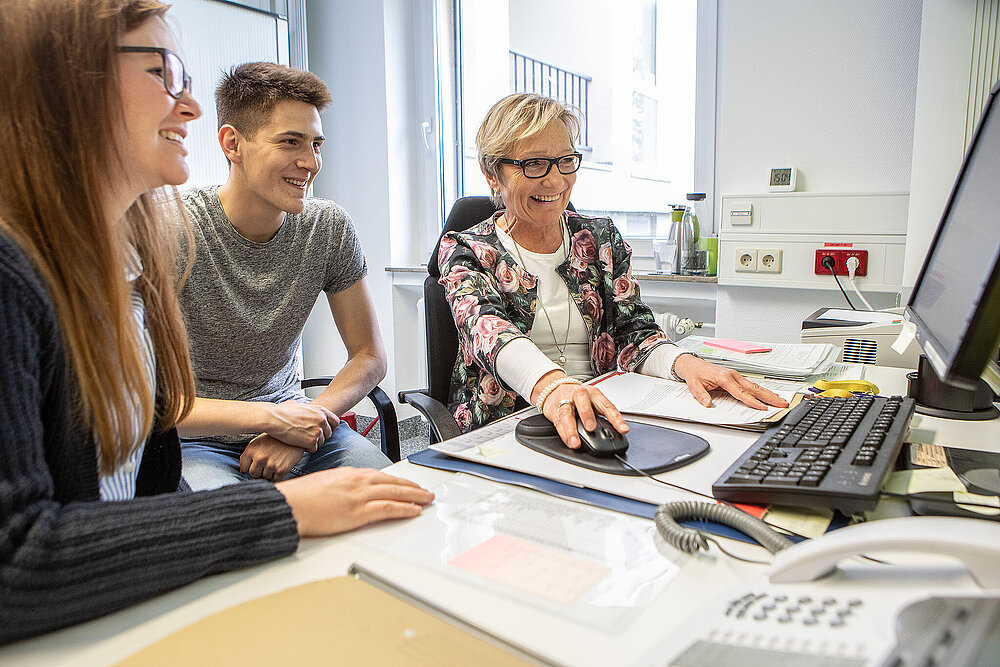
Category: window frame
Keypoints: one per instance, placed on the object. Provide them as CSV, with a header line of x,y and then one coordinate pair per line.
x,y
706,60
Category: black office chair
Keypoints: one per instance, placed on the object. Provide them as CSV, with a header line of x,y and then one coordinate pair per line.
x,y
439,328
386,416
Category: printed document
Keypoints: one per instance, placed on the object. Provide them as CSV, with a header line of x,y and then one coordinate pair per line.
x,y
638,394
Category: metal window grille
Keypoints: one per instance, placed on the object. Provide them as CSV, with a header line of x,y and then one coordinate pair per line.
x,y
528,75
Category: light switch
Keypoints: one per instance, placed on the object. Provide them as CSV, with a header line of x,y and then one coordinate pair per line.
x,y
741,214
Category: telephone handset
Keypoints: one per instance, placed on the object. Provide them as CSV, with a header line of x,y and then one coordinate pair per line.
x,y
973,541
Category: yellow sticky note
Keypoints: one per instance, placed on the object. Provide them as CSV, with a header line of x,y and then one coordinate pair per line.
x,y
978,500
805,521
924,480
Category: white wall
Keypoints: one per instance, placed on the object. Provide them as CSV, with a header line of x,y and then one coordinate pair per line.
x,y
828,86
250,36
956,73
376,164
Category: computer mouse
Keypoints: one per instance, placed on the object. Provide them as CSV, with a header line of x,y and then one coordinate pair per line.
x,y
604,440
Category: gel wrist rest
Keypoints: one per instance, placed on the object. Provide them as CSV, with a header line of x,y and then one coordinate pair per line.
x,y
652,449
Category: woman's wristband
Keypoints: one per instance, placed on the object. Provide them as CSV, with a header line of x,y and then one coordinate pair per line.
x,y
673,366
540,403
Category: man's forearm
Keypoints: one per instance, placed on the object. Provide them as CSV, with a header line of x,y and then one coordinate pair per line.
x,y
358,376
212,416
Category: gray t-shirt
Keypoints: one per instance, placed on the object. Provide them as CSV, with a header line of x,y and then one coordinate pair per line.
x,y
245,303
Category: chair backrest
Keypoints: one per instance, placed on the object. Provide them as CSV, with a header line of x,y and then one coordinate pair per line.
x,y
439,325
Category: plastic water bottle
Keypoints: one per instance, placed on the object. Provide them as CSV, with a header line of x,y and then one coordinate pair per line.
x,y
693,261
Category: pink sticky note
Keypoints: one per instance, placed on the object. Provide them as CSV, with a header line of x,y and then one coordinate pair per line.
x,y
543,571
736,345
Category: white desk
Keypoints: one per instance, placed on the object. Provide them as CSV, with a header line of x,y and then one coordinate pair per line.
x,y
113,637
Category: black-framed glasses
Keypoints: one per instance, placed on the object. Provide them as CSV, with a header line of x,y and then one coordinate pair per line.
x,y
175,79
539,167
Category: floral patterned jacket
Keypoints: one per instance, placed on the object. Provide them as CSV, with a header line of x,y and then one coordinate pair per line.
x,y
493,301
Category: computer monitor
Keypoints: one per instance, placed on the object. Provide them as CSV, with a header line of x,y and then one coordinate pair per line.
x,y
955,303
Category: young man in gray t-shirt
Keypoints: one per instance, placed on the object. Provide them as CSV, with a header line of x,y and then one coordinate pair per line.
x,y
264,251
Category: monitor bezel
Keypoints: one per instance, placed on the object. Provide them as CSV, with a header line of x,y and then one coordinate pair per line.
x,y
980,338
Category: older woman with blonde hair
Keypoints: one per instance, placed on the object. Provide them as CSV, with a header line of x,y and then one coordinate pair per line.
x,y
544,298
94,368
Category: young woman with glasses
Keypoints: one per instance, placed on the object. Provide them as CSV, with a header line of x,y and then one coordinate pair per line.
x,y
94,368
544,298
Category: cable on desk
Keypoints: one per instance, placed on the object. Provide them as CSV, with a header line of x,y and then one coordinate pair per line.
x,y
690,540
673,486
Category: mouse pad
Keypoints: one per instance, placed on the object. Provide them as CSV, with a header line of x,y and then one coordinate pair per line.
x,y
652,449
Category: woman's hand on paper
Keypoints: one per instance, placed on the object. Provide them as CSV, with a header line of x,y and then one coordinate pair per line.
x,y
335,501
703,376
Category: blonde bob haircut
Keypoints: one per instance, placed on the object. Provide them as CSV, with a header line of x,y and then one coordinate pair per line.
x,y
518,117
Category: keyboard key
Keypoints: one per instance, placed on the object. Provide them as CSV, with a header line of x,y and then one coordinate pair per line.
x,y
745,479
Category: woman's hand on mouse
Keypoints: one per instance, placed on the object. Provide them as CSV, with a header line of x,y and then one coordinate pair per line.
x,y
566,401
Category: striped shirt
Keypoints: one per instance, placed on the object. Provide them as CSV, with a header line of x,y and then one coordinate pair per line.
x,y
120,484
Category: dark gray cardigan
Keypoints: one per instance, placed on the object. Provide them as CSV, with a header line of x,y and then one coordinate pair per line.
x,y
65,555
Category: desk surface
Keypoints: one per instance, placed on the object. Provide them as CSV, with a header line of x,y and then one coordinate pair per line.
x,y
559,639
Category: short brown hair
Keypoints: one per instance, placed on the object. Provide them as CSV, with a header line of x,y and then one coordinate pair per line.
x,y
517,117
248,93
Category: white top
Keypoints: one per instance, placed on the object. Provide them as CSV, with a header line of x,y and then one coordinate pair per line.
x,y
120,484
521,363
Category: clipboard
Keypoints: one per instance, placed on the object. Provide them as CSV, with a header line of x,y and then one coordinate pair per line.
x,y
339,621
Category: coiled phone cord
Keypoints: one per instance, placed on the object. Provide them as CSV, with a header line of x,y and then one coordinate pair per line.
x,y
690,540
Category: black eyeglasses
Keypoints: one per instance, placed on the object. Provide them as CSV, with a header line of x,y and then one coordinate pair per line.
x,y
175,79
539,167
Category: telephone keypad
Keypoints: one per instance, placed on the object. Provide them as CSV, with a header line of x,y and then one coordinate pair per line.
x,y
758,607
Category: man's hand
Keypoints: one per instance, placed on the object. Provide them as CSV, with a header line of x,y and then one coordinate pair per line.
x,y
702,376
304,425
268,458
342,499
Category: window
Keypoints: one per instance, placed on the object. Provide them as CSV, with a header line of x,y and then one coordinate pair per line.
x,y
630,67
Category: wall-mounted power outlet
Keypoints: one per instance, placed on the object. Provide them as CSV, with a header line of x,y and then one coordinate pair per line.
x,y
746,260
840,256
769,260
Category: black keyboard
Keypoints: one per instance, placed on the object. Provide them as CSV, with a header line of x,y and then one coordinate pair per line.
x,y
826,452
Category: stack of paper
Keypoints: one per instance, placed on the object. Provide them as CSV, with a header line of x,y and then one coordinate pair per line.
x,y
791,361
637,394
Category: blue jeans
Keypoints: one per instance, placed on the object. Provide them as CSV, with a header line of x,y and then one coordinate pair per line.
x,y
208,464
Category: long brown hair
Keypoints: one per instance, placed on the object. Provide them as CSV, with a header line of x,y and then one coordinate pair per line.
x,y
60,114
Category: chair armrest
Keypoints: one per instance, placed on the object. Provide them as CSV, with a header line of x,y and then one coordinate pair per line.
x,y
386,411
388,424
317,382
441,422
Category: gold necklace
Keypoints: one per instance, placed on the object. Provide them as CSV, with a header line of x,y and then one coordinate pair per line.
x,y
562,350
